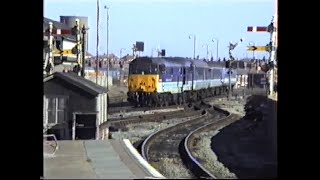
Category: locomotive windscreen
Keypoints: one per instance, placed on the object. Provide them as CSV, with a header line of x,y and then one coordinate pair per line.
x,y
143,68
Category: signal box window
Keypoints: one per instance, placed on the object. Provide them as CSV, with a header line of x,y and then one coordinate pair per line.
x,y
55,110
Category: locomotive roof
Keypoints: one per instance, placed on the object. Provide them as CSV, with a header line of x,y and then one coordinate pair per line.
x,y
216,64
172,61
180,62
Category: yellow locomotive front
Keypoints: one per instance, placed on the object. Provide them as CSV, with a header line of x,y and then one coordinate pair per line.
x,y
143,80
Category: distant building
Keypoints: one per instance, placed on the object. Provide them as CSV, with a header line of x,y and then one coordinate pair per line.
x,y
127,58
74,107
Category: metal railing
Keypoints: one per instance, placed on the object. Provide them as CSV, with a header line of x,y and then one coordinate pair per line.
x,y
55,146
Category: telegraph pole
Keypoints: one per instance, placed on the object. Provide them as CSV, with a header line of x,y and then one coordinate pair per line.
x,y
231,48
97,47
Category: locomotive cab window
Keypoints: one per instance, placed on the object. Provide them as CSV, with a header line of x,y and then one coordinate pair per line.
x,y
143,69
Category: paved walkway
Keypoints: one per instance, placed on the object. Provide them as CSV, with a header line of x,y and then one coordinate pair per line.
x,y
93,159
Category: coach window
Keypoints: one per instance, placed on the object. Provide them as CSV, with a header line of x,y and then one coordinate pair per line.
x,y
177,70
170,70
216,74
200,72
162,69
209,74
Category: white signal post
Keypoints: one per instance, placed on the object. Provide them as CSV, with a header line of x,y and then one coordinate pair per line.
x,y
50,33
272,29
273,55
50,50
77,29
50,47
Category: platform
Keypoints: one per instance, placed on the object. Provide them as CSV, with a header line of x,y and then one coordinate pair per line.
x,y
93,159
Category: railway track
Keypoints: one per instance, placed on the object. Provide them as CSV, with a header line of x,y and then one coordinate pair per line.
x,y
130,108
176,141
120,124
169,142
190,144
124,106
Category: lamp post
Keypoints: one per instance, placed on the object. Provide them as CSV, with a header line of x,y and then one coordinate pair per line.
x,y
107,7
216,40
211,57
121,52
206,45
194,44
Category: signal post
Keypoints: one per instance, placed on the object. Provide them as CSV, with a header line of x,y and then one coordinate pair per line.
x,y
270,47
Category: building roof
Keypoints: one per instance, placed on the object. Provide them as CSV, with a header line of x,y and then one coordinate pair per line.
x,y
78,81
127,57
55,24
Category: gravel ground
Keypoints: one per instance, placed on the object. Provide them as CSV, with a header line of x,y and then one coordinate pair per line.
x,y
117,94
209,159
248,147
204,151
138,132
137,113
233,106
172,168
241,150
116,90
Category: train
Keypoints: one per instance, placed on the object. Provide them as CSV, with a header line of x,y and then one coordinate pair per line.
x,y
163,81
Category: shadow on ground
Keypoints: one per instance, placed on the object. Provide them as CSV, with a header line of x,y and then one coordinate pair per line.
x,y
249,146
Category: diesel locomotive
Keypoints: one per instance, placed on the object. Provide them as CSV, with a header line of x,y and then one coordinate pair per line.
x,y
161,81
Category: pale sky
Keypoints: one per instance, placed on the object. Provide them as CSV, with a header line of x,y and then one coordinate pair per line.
x,y
168,23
